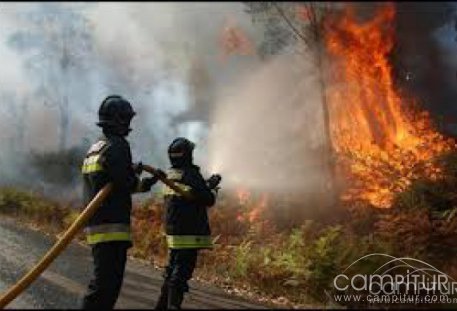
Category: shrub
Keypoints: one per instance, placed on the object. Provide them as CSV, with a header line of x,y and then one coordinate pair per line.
x,y
32,207
296,259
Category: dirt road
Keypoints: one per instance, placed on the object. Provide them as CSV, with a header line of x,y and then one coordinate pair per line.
x,y
63,284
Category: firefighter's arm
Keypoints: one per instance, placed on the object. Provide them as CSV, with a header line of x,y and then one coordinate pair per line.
x,y
200,190
119,168
214,181
145,184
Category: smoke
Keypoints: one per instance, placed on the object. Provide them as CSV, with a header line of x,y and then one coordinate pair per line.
x,y
267,131
425,57
257,122
253,122
59,60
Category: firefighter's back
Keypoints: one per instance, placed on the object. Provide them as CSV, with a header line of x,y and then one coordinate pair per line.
x,y
98,168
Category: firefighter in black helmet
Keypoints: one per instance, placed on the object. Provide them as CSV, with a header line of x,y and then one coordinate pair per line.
x,y
109,160
187,226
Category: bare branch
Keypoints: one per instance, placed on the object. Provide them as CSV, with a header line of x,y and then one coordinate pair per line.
x,y
291,25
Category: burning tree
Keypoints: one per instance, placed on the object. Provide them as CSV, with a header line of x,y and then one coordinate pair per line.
x,y
234,41
380,140
384,140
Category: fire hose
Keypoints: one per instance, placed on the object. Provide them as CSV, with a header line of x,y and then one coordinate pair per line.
x,y
168,182
68,236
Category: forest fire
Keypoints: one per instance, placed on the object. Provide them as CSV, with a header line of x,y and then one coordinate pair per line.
x,y
243,196
251,207
383,141
380,138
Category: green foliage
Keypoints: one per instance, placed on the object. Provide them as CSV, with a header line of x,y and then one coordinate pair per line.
x,y
323,257
242,259
293,257
32,207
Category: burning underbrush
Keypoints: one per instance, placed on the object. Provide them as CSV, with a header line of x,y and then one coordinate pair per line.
x,y
295,263
383,141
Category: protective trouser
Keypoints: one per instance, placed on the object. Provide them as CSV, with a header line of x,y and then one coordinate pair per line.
x,y
109,266
181,265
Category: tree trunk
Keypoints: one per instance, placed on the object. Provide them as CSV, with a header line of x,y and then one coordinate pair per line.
x,y
329,152
315,43
64,123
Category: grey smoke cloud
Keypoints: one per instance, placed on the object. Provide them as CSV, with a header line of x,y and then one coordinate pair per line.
x,y
267,132
146,52
258,123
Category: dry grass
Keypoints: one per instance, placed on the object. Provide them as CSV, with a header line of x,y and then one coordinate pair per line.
x,y
295,265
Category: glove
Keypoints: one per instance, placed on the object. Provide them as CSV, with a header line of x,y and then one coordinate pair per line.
x,y
138,168
147,183
160,174
214,181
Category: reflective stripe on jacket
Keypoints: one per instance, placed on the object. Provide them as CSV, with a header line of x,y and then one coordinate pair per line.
x,y
187,224
108,232
92,164
109,161
189,241
167,191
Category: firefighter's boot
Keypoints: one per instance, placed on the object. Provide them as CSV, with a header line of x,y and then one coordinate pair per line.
x,y
175,298
163,299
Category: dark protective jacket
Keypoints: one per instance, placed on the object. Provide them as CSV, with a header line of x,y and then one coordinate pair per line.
x,y
110,160
187,224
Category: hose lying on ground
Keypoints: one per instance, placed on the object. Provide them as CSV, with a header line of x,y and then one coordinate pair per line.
x,y
68,236
58,247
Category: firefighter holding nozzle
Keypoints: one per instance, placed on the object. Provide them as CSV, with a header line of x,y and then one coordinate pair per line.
x,y
186,224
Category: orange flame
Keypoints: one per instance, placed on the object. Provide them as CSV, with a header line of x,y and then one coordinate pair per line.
x,y
255,213
234,40
251,207
379,138
302,13
243,196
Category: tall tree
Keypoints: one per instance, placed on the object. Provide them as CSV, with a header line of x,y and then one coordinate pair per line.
x,y
286,23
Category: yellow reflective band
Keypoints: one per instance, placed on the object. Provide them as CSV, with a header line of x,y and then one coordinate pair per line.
x,y
108,237
91,165
86,169
174,174
92,159
168,191
189,241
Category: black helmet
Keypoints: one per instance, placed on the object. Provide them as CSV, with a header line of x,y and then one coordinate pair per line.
x,y
180,152
115,114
